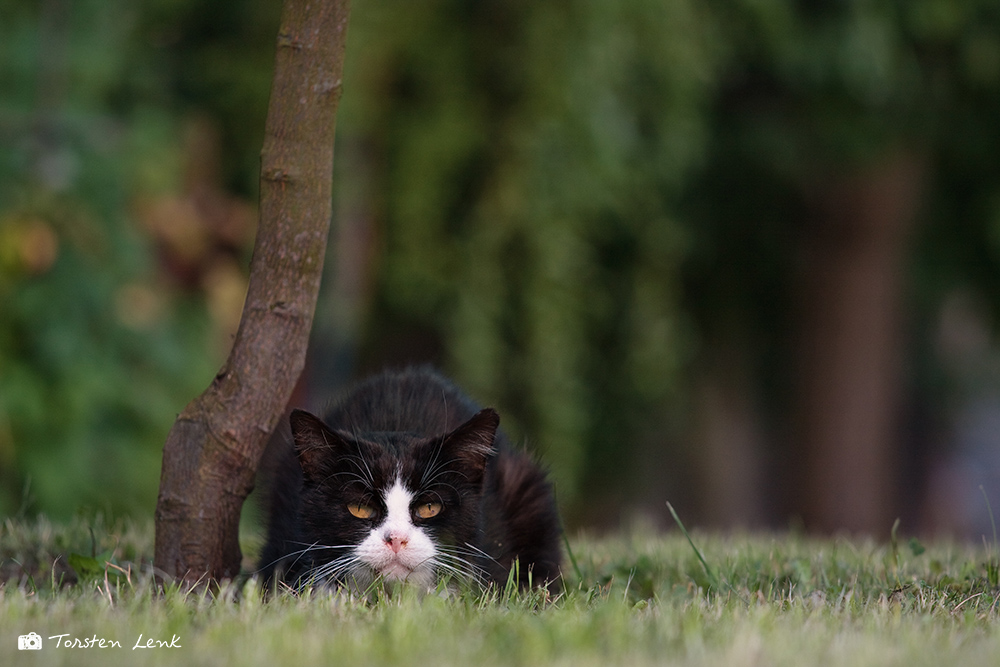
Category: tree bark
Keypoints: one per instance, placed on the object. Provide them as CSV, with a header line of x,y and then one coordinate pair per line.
x,y
212,452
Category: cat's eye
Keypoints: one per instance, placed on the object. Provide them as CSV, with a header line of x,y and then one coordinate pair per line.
x,y
360,511
427,510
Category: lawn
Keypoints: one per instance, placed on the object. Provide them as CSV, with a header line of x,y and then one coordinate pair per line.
x,y
631,599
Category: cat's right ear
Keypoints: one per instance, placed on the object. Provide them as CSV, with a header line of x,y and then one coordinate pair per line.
x,y
315,444
472,442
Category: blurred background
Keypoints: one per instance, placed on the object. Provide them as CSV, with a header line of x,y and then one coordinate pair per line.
x,y
739,255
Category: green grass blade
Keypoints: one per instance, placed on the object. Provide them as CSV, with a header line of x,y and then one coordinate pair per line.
x,y
572,560
697,552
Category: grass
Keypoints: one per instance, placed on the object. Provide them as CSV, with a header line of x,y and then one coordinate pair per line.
x,y
632,599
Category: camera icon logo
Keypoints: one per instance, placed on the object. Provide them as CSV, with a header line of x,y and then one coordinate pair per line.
x,y
29,642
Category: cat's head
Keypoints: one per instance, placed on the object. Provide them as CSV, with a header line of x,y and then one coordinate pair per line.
x,y
395,505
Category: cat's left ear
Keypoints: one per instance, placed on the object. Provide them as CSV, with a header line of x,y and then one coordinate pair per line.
x,y
472,442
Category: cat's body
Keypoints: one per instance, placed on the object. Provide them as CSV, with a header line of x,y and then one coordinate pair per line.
x,y
407,480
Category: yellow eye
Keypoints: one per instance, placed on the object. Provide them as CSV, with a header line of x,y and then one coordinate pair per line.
x,y
360,511
427,510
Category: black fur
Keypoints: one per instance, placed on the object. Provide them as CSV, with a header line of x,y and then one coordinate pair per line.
x,y
416,424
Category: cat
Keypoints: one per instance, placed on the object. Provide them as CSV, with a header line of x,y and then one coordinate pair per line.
x,y
407,480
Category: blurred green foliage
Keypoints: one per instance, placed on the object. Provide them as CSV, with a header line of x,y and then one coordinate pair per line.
x,y
576,198
583,198
99,348
529,156
810,91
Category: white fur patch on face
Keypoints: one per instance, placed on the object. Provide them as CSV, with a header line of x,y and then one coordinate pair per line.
x,y
396,549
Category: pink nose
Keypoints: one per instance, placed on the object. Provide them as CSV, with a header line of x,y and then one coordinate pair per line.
x,y
396,541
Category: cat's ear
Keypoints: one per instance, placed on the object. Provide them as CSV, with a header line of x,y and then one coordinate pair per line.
x,y
315,444
472,442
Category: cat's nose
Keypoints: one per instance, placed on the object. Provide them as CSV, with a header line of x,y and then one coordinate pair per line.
x,y
395,540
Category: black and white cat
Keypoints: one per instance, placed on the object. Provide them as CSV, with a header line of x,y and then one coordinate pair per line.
x,y
407,480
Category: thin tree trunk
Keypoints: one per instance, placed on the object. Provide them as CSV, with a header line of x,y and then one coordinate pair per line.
x,y
729,440
213,450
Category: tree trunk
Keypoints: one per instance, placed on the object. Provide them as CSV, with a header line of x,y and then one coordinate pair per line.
x,y
849,360
212,452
